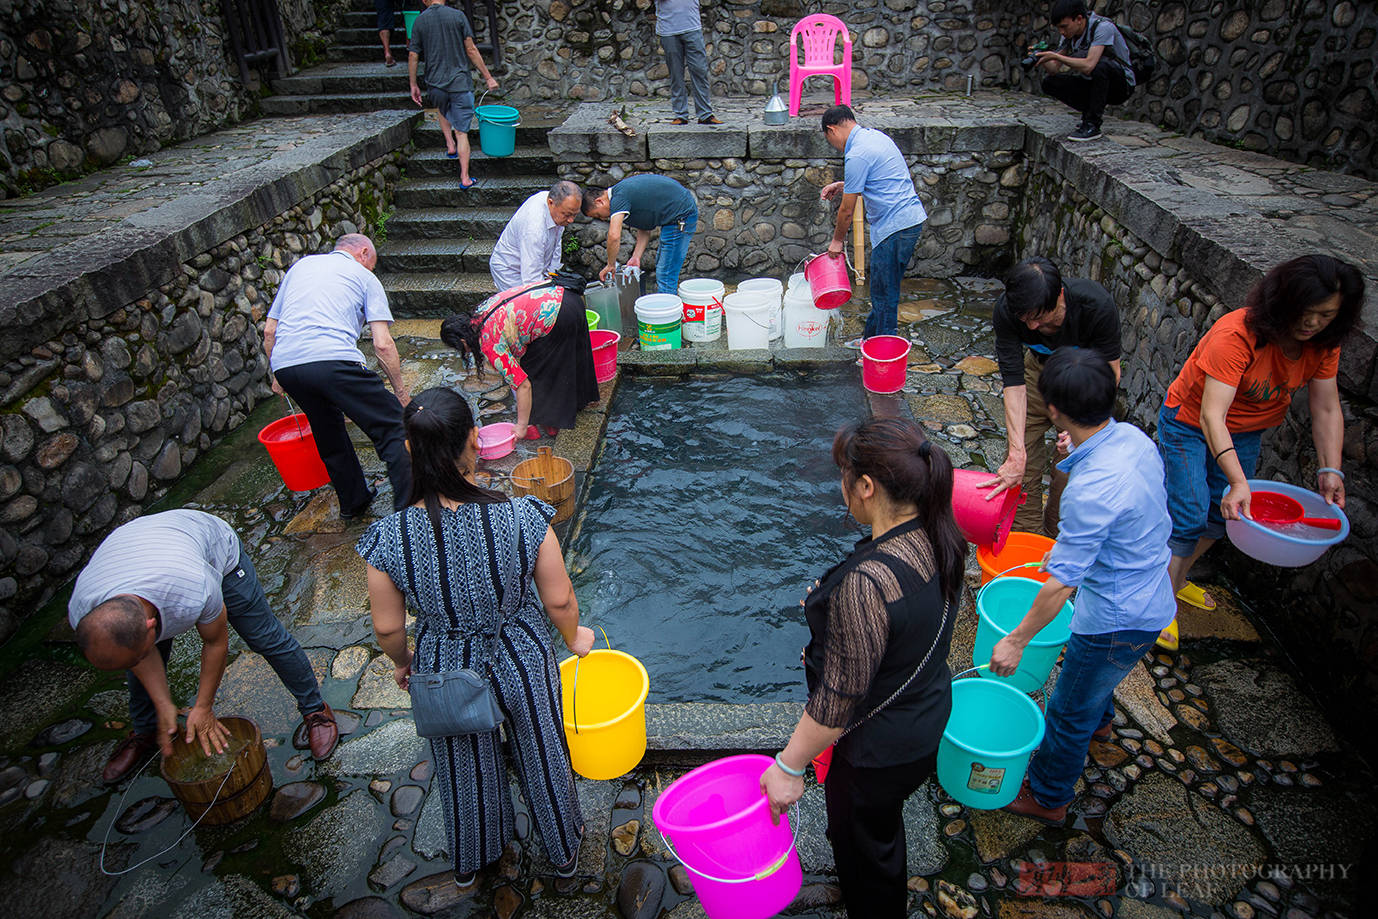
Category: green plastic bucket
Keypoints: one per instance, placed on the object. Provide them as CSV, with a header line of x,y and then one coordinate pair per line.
x,y
990,735
592,317
497,128
1000,606
409,17
658,321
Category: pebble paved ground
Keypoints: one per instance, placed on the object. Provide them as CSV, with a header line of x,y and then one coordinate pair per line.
x,y
1222,793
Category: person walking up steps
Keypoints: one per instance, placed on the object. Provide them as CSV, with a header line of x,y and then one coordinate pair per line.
x,y
442,37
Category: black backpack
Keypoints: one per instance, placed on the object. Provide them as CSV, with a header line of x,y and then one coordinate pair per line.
x,y
1142,59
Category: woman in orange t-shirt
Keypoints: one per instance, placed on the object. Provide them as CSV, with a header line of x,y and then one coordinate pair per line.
x,y
1238,382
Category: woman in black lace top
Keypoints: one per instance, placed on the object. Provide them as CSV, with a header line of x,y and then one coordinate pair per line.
x,y
876,664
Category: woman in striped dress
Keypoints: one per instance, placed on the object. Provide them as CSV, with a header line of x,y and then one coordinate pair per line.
x,y
405,568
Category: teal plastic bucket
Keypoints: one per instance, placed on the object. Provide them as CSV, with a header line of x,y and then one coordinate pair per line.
x,y
497,129
990,735
408,18
1000,606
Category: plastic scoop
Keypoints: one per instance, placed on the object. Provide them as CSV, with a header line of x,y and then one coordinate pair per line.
x,y
1274,509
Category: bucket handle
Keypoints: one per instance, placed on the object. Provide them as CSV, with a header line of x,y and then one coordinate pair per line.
x,y
296,415
105,843
1038,564
764,872
971,670
574,690
804,262
479,115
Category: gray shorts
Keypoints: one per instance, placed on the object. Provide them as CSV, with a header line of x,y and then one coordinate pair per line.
x,y
458,108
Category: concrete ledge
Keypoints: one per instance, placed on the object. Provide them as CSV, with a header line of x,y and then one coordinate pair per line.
x,y
93,276
586,133
755,360
689,732
695,141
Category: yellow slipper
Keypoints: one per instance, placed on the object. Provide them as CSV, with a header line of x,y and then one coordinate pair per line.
x,y
1167,639
1192,595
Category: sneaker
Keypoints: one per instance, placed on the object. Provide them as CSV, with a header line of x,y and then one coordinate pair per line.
x,y
362,509
854,344
1085,132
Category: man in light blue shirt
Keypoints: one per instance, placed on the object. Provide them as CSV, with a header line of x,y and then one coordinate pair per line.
x,y
1111,548
874,170
681,35
312,341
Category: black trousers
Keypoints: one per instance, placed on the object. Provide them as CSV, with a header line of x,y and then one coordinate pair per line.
x,y
1105,85
327,391
866,828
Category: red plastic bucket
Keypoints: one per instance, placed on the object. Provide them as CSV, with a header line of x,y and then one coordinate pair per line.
x,y
828,281
292,448
985,523
822,763
884,361
604,343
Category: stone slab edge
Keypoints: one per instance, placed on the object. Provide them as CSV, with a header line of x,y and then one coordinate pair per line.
x,y
684,361
682,731
96,275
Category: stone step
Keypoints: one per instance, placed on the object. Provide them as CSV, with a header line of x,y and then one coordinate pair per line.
x,y
413,295
353,77
525,160
369,51
456,224
336,103
495,191
404,256
530,133
365,34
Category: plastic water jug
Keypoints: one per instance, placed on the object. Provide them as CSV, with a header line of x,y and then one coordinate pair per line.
x,y
604,300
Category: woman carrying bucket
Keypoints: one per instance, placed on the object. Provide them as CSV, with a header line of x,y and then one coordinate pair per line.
x,y
1112,548
1239,382
537,336
876,664
442,556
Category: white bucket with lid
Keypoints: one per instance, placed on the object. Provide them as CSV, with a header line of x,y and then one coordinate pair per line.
x,y
748,316
658,318
772,288
805,325
702,298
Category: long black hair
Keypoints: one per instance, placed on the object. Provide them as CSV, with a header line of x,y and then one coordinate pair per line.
x,y
899,457
461,332
438,422
1277,301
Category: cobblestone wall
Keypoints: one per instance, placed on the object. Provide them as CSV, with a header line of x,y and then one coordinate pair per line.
x,y
1292,78
88,82
1327,613
97,423
764,216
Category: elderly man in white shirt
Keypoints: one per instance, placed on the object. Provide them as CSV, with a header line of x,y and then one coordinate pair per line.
x,y
529,247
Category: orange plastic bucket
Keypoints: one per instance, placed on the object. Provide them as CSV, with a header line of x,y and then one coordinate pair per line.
x,y
292,448
1020,549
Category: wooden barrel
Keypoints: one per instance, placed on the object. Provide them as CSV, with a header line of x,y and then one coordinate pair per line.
x,y
247,787
548,477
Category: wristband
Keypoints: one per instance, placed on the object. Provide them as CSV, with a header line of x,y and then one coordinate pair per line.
x,y
797,773
1330,469
1222,453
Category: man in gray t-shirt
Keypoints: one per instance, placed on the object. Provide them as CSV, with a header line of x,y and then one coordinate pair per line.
x,y
443,37
1090,68
158,577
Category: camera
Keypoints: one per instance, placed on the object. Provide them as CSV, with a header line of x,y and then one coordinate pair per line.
x,y
1032,57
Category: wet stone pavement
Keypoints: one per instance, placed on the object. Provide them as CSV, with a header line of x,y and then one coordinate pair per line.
x,y
1223,792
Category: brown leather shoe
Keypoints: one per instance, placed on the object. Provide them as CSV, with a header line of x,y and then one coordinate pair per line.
x,y
1025,805
711,119
1102,735
130,754
322,733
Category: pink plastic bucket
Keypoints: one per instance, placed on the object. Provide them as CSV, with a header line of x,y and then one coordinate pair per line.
x,y
496,440
717,824
828,281
604,345
985,523
884,361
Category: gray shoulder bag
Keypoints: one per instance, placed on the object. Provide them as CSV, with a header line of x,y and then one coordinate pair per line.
x,y
462,701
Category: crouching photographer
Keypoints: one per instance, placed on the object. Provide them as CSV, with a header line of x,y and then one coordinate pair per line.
x,y
1090,68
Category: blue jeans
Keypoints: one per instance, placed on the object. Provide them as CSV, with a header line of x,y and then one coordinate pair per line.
x,y
674,246
1083,701
1195,482
250,615
889,258
687,48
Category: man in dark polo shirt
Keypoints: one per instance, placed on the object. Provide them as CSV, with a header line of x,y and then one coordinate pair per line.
x,y
646,202
1039,313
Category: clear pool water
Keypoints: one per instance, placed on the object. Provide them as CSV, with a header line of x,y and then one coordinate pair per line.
x,y
713,506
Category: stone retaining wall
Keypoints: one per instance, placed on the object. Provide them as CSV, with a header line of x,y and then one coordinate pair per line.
x,y
98,421
89,82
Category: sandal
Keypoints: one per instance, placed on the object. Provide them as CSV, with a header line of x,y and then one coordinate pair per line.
x,y
1168,638
1192,595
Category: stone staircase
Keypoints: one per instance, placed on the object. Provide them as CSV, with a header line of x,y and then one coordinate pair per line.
x,y
433,249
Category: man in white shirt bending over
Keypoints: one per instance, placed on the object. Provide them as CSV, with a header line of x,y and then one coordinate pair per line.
x,y
529,248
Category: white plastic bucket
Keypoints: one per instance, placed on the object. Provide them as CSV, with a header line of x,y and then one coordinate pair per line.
x,y
805,326
775,290
748,319
658,318
798,279
702,299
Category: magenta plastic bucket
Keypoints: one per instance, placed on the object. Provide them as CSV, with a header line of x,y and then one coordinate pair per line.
x,y
828,281
717,823
884,361
985,523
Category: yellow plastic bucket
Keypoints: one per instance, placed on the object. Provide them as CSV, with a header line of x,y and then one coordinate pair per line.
x,y
604,700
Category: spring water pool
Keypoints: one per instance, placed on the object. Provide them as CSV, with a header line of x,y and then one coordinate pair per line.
x,y
713,506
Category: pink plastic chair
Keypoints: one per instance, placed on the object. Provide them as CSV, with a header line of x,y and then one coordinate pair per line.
x,y
818,34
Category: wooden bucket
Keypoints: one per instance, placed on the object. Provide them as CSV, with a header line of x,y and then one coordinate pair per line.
x,y
247,787
548,477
